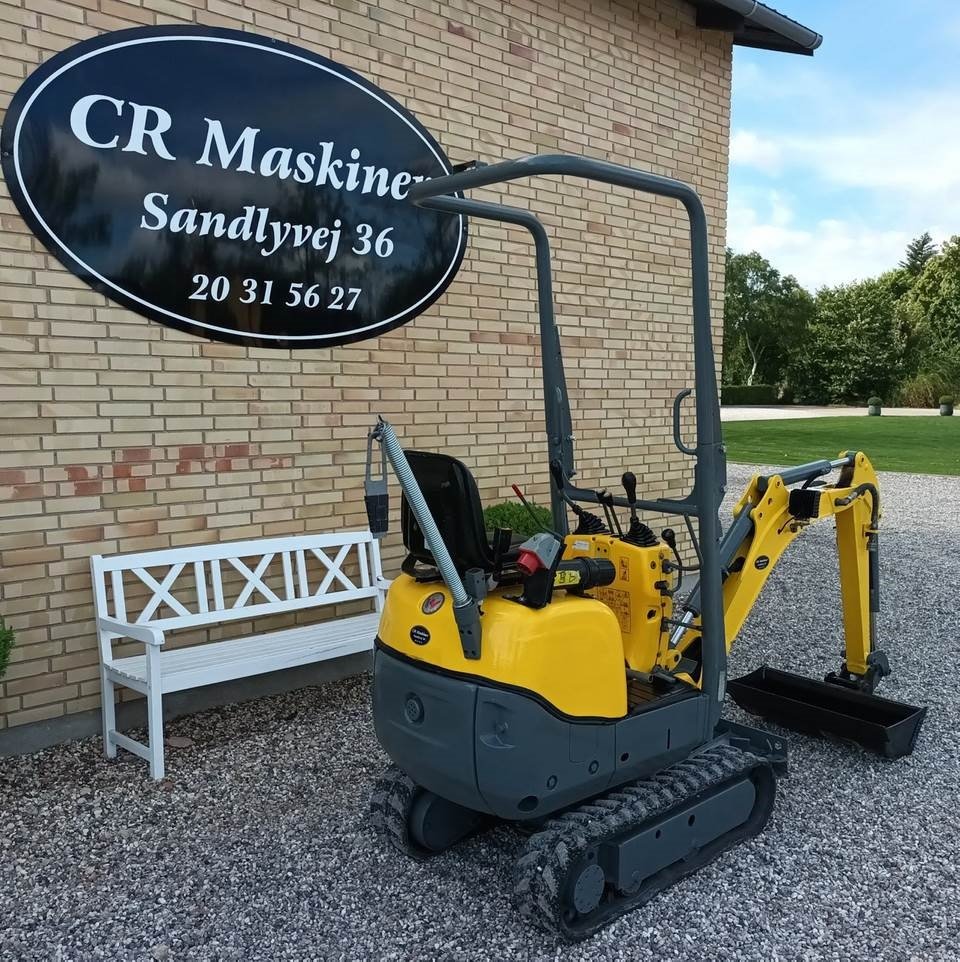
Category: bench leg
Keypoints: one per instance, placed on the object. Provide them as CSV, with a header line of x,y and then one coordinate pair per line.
x,y
109,712
155,733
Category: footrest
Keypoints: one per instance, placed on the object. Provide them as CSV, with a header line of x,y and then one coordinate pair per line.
x,y
889,728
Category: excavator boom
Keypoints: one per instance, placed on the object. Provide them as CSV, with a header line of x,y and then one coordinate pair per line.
x,y
767,519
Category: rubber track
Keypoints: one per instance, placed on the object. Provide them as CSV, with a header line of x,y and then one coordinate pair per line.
x,y
390,805
542,869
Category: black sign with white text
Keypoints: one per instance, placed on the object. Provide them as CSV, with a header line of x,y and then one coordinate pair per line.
x,y
231,186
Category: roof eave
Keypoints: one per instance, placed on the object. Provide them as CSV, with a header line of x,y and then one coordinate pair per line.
x,y
756,25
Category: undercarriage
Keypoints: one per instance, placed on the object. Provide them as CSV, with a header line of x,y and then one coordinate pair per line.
x,y
589,864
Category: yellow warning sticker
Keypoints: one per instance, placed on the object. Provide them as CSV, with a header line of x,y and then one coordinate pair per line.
x,y
624,569
565,578
619,602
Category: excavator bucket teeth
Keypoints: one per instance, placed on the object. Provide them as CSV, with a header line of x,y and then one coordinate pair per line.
x,y
889,728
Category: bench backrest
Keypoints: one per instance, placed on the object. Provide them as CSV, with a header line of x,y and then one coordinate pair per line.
x,y
228,581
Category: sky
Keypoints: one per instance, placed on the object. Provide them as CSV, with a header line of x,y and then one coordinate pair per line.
x,y
838,160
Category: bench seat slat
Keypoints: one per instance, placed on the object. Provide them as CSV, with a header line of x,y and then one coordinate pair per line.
x,y
229,549
218,661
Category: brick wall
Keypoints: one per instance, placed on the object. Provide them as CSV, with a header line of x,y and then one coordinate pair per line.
x,y
121,435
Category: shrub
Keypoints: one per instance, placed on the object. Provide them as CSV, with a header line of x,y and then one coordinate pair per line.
x,y
920,391
748,394
510,514
938,375
946,399
924,390
856,346
6,643
874,401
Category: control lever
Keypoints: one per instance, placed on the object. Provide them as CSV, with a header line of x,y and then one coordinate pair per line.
x,y
530,511
605,499
669,537
587,522
639,534
629,482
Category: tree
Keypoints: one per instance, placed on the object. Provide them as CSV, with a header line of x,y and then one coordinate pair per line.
x,y
855,348
765,316
920,251
932,310
934,299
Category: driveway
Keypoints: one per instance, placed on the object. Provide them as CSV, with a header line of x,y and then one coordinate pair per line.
x,y
790,412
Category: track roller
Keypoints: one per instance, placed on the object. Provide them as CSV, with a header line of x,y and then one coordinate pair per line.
x,y
607,857
416,821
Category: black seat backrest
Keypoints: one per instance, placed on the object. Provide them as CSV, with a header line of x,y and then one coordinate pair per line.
x,y
454,501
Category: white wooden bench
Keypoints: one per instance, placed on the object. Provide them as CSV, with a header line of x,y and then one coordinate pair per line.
x,y
138,597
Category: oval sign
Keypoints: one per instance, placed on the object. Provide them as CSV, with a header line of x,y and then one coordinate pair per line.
x,y
231,186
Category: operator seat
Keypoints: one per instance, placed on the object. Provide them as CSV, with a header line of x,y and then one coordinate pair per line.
x,y
454,501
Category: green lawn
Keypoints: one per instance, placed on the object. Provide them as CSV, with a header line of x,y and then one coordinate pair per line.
x,y
920,445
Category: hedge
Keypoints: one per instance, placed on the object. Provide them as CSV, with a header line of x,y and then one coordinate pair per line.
x,y
6,643
749,394
510,514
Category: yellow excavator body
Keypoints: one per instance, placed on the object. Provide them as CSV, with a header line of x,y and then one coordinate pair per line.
x,y
570,653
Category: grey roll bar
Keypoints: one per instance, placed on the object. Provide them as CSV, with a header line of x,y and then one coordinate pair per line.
x,y
710,470
558,420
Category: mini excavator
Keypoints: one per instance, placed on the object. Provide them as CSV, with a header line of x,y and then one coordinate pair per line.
x,y
567,683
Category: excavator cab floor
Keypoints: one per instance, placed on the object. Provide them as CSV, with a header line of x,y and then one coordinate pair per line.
x,y
889,728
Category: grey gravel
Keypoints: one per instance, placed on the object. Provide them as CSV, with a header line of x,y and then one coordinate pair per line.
x,y
257,846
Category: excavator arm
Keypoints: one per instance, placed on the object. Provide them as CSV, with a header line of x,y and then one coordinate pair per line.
x,y
768,518
779,516
772,513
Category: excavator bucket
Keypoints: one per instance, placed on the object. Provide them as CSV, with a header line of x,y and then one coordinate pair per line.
x,y
889,728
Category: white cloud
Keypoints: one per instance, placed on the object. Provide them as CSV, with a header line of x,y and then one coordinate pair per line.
x,y
911,145
831,252
753,150
897,163
907,147
803,81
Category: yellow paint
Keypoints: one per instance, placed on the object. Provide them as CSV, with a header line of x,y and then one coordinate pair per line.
x,y
775,529
569,652
572,652
633,597
853,527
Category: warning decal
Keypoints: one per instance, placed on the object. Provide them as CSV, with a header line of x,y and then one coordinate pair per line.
x,y
619,602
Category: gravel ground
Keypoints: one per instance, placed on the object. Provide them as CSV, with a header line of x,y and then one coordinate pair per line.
x,y
257,846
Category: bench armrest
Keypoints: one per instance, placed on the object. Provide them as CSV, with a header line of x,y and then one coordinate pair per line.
x,y
142,633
